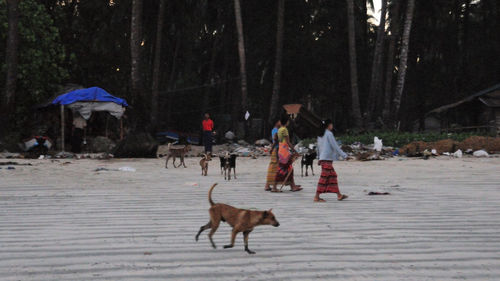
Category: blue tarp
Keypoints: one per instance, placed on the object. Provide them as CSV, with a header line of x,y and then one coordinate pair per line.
x,y
89,94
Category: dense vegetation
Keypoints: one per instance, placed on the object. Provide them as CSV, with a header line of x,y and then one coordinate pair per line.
x,y
173,62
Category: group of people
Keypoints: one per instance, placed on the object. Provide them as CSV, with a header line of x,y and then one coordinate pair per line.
x,y
283,154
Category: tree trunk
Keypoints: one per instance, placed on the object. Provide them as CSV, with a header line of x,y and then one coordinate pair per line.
x,y
376,74
171,80
156,65
135,48
277,63
356,110
241,52
11,56
394,15
210,76
403,59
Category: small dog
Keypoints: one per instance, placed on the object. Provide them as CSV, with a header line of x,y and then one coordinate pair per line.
x,y
228,162
307,160
177,152
240,220
204,164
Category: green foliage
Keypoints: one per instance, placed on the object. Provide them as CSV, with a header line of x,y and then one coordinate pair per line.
x,y
41,55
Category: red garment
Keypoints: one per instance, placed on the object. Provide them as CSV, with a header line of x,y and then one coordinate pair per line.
x,y
328,179
208,125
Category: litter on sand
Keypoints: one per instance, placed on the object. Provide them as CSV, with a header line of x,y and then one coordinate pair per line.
x,y
377,144
126,169
122,169
480,153
378,193
10,163
458,154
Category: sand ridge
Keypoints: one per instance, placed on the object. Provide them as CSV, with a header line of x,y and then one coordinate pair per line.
x,y
67,222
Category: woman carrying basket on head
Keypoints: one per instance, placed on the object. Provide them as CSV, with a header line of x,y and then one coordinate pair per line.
x,y
285,158
329,150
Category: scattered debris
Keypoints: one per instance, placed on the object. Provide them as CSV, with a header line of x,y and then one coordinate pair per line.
x,y
378,193
458,154
262,142
126,169
243,143
481,153
9,155
426,154
230,136
122,169
10,163
65,154
377,144
367,156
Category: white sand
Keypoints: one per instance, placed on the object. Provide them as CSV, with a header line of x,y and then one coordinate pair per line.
x,y
67,222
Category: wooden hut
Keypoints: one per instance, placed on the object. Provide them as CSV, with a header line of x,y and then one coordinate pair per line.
x,y
478,112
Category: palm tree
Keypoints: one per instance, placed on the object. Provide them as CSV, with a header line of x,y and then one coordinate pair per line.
x,y
156,64
403,59
135,47
241,52
376,75
356,110
277,63
394,14
11,55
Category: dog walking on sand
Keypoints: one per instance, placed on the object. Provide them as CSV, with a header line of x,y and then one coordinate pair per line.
x,y
204,164
240,220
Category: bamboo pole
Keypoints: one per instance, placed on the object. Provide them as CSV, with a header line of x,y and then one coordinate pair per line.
x,y
62,128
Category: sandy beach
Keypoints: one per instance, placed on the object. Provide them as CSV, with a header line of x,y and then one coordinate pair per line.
x,y
62,220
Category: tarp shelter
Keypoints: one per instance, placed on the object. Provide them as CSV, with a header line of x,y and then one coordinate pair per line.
x,y
86,101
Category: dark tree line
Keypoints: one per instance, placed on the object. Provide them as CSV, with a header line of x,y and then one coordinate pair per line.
x,y
174,60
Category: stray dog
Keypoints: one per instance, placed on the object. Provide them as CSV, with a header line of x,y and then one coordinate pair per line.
x,y
307,160
204,164
240,219
177,152
228,162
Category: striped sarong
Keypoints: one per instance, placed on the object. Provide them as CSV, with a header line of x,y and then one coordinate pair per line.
x,y
273,167
328,179
284,165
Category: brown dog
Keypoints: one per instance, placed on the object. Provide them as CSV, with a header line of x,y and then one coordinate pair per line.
x,y
177,152
240,219
204,164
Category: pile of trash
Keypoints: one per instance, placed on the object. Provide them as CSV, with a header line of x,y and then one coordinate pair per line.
x,y
476,146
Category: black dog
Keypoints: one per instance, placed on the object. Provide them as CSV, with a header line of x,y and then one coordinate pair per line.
x,y
227,163
307,160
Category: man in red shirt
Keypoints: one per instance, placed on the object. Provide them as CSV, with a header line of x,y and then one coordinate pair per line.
x,y
208,131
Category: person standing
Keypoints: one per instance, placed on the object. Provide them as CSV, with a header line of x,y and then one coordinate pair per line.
x,y
273,164
208,131
285,159
328,151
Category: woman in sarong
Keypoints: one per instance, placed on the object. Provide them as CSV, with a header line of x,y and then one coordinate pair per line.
x,y
273,164
284,175
329,151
